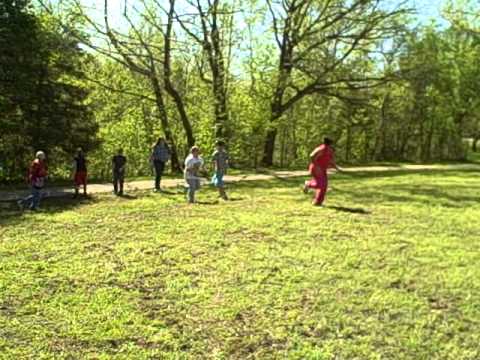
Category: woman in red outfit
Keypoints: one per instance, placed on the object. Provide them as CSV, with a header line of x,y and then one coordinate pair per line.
x,y
322,158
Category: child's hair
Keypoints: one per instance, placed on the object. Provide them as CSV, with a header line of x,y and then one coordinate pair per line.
x,y
194,148
220,143
327,141
39,154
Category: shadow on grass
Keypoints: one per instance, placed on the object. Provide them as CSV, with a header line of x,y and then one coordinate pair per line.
x,y
414,195
230,199
166,192
405,172
10,214
214,202
349,210
421,191
128,197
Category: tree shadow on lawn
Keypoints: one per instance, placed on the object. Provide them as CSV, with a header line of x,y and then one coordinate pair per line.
x,y
420,191
10,214
410,194
405,172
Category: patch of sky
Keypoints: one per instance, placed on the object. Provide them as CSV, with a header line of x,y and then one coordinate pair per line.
x,y
251,19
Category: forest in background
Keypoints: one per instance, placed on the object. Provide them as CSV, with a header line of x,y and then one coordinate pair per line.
x,y
269,77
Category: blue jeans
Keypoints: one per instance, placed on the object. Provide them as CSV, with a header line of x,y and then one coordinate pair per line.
x,y
32,201
193,185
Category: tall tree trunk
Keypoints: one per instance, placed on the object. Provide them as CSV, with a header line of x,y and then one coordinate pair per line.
x,y
213,47
187,126
348,144
217,64
474,143
277,111
221,111
269,147
366,145
380,148
167,74
283,147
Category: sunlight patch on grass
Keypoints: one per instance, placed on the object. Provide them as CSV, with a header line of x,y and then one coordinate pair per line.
x,y
388,269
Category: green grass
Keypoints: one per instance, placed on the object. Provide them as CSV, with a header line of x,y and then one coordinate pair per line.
x,y
388,270
474,157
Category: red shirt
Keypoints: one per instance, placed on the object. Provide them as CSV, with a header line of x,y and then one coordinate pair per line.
x,y
325,158
37,170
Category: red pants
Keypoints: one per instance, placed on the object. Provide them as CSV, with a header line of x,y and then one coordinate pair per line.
x,y
320,183
80,178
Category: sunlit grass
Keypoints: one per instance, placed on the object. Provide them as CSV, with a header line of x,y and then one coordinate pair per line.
x,y
389,269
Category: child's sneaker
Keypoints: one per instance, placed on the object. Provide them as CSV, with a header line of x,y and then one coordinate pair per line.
x,y
305,187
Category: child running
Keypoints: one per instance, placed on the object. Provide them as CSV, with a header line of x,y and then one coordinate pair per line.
x,y
37,174
80,172
193,163
322,158
118,168
220,165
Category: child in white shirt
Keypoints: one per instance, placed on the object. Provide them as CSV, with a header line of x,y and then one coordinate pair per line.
x,y
193,163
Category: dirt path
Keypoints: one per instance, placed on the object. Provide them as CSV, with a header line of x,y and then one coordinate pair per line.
x,y
171,183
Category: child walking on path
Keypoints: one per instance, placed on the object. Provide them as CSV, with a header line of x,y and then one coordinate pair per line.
x,y
80,172
220,164
322,158
193,162
118,168
37,174
160,155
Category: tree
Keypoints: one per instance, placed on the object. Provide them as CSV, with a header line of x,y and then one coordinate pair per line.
x,y
316,39
43,102
213,39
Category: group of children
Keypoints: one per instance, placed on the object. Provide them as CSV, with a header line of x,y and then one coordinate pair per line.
x,y
322,158
192,167
160,154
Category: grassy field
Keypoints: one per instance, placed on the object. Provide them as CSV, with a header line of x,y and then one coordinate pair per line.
x,y
388,270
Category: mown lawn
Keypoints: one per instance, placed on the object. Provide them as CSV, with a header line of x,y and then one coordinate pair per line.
x,y
390,269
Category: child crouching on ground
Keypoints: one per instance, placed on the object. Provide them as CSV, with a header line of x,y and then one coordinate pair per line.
x,y
193,163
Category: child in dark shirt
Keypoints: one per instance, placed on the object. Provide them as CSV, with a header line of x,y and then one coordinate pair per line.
x,y
118,168
80,172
